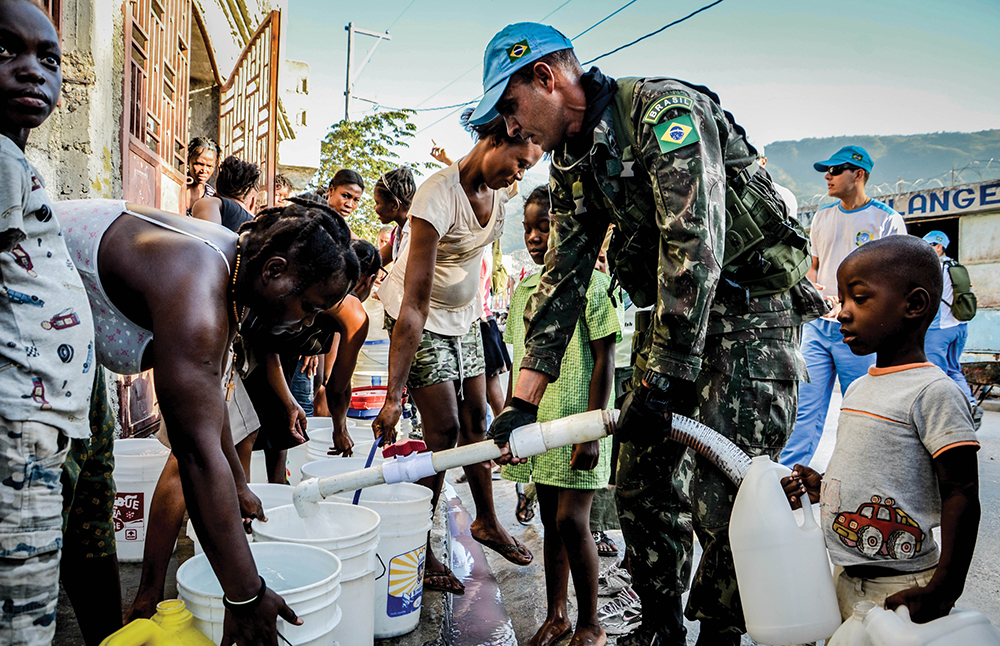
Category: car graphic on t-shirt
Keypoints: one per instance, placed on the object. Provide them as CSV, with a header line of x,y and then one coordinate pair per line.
x,y
879,528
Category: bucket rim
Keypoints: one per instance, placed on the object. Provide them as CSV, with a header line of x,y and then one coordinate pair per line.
x,y
312,542
202,560
131,447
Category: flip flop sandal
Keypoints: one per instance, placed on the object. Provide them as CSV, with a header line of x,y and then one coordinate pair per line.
x,y
605,546
525,512
510,551
451,583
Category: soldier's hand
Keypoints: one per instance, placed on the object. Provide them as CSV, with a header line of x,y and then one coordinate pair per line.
x,y
647,412
517,414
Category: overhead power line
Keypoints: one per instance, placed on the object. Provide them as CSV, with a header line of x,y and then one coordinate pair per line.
x,y
653,33
606,54
400,15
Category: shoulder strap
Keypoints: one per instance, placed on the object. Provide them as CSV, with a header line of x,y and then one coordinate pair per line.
x,y
622,114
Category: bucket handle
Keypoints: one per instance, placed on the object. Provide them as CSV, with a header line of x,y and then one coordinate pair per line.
x,y
382,563
368,463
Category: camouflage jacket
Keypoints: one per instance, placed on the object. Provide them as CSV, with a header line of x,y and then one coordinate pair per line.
x,y
669,232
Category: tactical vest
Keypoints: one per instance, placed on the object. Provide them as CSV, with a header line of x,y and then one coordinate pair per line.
x,y
766,250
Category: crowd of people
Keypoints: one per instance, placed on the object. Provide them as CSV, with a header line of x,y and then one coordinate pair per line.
x,y
252,318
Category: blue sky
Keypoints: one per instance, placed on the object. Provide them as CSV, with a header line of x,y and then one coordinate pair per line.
x,y
787,69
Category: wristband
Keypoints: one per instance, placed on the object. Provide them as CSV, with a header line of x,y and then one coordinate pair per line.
x,y
249,604
523,406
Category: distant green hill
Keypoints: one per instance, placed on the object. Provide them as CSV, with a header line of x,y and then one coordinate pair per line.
x,y
926,160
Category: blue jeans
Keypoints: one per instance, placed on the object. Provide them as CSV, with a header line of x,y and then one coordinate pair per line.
x,y
827,358
944,347
302,389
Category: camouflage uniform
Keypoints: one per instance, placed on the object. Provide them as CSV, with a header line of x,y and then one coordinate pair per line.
x,y
740,351
441,358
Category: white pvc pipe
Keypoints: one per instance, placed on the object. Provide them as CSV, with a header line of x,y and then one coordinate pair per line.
x,y
526,441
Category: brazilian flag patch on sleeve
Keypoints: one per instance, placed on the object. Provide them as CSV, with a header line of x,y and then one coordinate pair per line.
x,y
676,133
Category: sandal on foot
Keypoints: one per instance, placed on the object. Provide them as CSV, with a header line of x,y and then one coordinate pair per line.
x,y
605,546
443,581
525,512
514,552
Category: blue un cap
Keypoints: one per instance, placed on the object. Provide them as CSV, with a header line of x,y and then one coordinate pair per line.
x,y
514,47
937,237
854,155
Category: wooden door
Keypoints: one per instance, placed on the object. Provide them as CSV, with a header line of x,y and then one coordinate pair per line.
x,y
248,114
157,71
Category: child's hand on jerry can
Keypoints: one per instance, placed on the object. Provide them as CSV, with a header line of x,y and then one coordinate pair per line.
x,y
802,480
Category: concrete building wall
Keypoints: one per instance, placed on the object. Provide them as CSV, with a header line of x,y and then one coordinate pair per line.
x,y
298,156
78,149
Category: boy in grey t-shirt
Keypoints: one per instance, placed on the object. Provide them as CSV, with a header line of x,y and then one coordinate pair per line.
x,y
905,458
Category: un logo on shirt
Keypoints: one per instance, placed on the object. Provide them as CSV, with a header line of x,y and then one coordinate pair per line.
x,y
862,237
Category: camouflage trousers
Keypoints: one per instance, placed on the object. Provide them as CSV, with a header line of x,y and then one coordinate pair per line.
x,y
30,530
441,358
747,391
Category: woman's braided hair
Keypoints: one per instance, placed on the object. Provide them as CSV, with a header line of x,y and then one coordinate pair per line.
x,y
313,237
368,257
397,183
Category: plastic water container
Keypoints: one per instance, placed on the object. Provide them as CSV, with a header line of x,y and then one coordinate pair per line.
x,y
353,537
363,422
138,464
314,423
172,625
773,554
367,378
960,628
406,518
852,632
271,496
374,355
307,577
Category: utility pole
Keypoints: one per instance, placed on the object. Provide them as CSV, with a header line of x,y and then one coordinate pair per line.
x,y
349,82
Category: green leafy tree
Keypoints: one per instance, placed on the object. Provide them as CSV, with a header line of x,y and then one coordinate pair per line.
x,y
368,146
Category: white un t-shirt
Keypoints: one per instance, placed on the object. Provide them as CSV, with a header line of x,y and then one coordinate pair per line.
x,y
836,232
441,202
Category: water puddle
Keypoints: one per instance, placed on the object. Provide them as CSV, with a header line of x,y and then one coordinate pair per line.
x,y
478,616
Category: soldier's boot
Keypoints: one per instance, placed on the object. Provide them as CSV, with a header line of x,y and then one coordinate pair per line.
x,y
717,635
662,625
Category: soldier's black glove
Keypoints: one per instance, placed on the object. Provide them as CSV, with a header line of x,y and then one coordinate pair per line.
x,y
519,413
647,411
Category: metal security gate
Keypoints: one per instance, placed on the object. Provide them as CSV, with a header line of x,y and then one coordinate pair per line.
x,y
248,113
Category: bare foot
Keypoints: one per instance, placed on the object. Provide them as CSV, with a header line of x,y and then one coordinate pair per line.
x,y
554,629
589,636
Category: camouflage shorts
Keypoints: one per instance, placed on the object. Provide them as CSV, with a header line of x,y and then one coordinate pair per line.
x,y
30,530
88,483
441,358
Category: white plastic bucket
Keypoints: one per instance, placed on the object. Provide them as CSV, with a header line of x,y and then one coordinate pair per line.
x,y
364,378
406,518
295,458
355,542
271,496
307,577
138,464
314,423
320,441
364,427
374,356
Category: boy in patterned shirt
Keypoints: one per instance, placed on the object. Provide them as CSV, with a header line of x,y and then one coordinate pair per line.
x,y
567,477
47,336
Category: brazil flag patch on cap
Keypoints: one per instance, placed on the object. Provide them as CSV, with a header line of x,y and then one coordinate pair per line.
x,y
518,50
676,133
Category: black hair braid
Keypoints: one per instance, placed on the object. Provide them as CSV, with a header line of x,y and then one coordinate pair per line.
x,y
368,257
237,177
313,237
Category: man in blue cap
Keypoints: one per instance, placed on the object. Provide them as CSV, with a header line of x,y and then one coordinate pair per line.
x,y
837,230
946,336
663,162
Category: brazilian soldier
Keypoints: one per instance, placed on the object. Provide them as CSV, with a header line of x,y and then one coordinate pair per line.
x,y
701,235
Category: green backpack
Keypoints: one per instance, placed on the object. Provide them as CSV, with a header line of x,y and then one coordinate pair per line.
x,y
766,252
963,301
